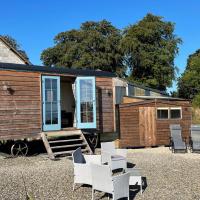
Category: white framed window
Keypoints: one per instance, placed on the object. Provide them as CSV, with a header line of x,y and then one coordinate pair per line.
x,y
169,113
175,113
163,113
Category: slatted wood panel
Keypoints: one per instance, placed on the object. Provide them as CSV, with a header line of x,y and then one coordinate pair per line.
x,y
20,109
129,127
147,126
105,108
131,100
144,126
163,131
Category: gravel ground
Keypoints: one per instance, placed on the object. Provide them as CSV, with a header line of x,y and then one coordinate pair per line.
x,y
168,176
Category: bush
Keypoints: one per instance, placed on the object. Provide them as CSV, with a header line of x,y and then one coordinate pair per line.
x,y
196,101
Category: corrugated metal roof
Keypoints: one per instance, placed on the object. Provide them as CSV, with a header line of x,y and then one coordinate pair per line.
x,y
55,70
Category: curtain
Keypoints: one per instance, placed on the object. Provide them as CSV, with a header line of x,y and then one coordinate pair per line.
x,y
74,93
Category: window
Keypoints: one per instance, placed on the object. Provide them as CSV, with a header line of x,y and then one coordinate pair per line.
x,y
131,90
169,113
120,92
139,92
162,113
175,113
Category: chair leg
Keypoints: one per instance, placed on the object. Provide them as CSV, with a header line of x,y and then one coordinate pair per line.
x,y
74,186
141,188
92,194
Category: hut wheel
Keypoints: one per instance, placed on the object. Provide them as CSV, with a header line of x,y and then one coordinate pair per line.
x,y
94,140
19,148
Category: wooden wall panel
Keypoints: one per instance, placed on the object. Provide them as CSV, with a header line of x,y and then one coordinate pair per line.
x,y
129,127
131,100
147,126
105,105
20,109
163,131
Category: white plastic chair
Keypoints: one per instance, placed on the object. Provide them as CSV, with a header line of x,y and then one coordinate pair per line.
x,y
102,180
82,169
114,162
115,158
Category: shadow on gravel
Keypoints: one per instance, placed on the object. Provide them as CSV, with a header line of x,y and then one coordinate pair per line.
x,y
130,165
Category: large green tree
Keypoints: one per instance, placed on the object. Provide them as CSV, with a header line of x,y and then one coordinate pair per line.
x,y
189,82
150,47
15,45
96,45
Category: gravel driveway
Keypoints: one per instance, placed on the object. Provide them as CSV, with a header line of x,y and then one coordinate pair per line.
x,y
169,176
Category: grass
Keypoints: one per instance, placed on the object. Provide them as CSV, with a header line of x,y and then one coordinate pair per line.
x,y
195,115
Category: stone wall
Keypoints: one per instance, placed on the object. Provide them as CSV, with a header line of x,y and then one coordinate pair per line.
x,y
8,56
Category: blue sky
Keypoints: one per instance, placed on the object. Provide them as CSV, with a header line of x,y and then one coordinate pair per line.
x,y
34,23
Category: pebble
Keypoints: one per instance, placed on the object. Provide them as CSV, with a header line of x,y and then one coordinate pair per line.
x,y
167,175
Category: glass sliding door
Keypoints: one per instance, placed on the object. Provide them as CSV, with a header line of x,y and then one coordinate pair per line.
x,y
86,102
51,103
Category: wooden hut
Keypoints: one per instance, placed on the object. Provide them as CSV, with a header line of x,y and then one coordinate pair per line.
x,y
144,121
38,99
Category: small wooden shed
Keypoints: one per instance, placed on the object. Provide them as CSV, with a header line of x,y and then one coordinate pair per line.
x,y
145,121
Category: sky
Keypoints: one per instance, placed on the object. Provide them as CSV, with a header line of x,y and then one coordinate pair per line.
x,y
34,23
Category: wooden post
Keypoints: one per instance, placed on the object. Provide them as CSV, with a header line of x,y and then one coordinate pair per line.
x,y
47,146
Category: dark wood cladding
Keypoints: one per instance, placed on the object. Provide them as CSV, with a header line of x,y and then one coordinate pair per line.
x,y
105,109
139,126
20,105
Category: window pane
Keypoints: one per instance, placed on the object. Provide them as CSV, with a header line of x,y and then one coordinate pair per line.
x,y
54,94
86,101
175,114
48,107
54,107
48,118
48,83
162,114
49,95
54,84
139,92
54,118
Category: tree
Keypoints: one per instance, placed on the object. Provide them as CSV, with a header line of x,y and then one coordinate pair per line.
x,y
15,45
150,47
196,101
189,82
96,45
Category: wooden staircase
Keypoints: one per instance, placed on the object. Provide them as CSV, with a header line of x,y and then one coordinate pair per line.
x,y
63,143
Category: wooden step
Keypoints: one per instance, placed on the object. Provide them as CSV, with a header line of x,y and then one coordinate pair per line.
x,y
62,141
62,133
69,129
71,145
67,152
